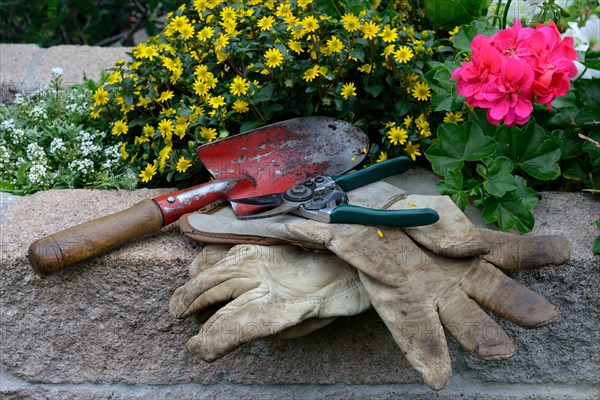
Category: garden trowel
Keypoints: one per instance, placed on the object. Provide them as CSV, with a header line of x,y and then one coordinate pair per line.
x,y
262,161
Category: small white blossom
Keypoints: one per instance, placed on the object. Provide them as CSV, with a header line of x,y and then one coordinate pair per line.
x,y
35,152
84,166
8,124
57,146
57,71
37,174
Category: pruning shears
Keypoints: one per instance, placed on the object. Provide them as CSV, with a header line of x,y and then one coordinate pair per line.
x,y
325,199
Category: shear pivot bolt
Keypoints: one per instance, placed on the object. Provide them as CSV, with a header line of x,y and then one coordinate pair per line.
x,y
298,193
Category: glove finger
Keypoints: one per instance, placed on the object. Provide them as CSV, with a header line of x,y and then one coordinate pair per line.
x,y
473,328
195,296
523,252
209,256
416,329
452,236
510,300
249,317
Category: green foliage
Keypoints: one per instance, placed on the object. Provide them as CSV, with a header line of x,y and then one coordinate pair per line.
x,y
446,14
49,141
52,22
218,70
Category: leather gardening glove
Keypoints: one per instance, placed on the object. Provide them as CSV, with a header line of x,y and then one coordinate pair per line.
x,y
415,292
282,291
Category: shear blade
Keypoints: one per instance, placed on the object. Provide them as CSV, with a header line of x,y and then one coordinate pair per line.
x,y
268,200
285,208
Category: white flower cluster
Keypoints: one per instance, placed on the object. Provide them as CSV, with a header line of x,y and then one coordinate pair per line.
x,y
46,141
35,152
57,146
38,174
84,166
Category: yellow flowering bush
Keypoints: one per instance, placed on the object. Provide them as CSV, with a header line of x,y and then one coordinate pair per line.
x,y
223,67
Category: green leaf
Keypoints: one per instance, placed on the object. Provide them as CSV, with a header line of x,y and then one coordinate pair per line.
x,y
528,196
596,246
509,212
530,149
463,38
450,13
358,54
592,58
452,185
458,144
375,88
498,176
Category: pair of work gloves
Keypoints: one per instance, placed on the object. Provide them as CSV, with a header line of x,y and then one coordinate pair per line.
x,y
286,276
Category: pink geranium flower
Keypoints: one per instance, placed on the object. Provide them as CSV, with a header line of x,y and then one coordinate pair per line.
x,y
509,98
515,67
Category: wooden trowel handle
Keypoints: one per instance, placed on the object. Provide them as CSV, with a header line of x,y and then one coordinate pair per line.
x,y
55,252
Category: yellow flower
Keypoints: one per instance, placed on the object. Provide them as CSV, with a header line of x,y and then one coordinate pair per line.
x,y
454,32
163,156
408,121
369,30
397,135
216,102
266,23
209,134
95,112
206,33
100,97
310,24
240,106
239,86
114,78
283,10
274,58
366,68
389,34
335,45
304,3
166,128
187,32
455,117
183,164
311,73
382,156
296,46
120,128
403,54
147,174
148,131
179,22
222,41
412,150
348,90
200,88
181,129
123,151
350,22
164,96
228,13
421,91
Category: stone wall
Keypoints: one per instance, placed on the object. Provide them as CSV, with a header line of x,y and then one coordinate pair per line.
x,y
103,330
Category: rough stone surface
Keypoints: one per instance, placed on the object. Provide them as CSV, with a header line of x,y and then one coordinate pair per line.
x,y
88,61
102,329
26,68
